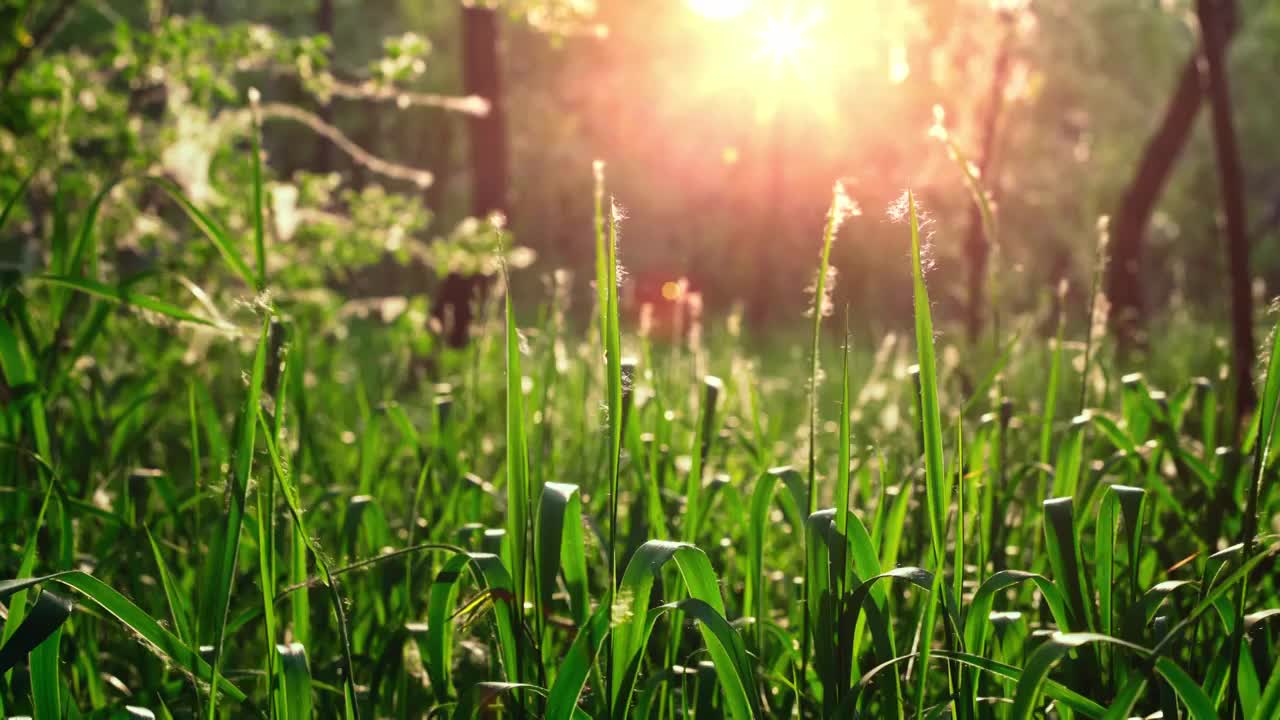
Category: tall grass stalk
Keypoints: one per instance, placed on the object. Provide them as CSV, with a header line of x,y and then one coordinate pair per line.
x,y
937,480
1268,410
1097,308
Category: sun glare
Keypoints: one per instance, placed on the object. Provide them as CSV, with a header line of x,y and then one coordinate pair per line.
x,y
718,9
784,39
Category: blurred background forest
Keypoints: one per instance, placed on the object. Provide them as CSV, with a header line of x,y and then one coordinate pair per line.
x,y
390,126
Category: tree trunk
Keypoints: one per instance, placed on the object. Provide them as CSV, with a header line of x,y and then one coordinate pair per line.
x,y
1129,224
1217,17
977,245
488,149
488,133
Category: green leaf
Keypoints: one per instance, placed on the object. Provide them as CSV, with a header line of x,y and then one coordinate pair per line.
x,y
122,296
630,610
575,666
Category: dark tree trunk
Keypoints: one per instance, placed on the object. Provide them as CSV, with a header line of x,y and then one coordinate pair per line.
x,y
1217,18
1129,225
977,244
488,133
488,149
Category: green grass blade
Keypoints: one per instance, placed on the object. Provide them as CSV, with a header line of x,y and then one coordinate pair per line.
x,y
559,548
481,696
937,481
701,583
215,233
178,610
843,478
42,622
256,210
122,296
496,583
977,620
1037,668
1064,558
1269,703
1063,695
1051,394
295,683
519,523
12,201
754,599
17,609
1119,501
156,638
703,437
46,677
575,666
242,463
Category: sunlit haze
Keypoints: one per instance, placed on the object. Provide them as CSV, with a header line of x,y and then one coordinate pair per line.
x,y
783,39
718,9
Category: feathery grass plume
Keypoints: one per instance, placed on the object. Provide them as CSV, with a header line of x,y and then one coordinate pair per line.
x,y
842,208
1099,306
973,182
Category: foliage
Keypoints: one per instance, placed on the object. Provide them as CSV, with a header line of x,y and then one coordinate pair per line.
x,y
240,477
335,531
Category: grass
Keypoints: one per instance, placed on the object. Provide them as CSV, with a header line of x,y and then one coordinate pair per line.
x,y
283,516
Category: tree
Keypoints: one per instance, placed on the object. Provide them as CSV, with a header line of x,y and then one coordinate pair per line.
x,y
977,245
1217,18
1129,224
487,140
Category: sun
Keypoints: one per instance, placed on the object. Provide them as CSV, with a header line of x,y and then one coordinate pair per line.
x,y
784,39
718,9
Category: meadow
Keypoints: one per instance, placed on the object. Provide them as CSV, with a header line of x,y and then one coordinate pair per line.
x,y
248,509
